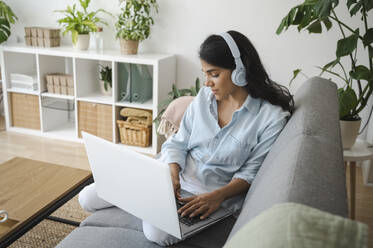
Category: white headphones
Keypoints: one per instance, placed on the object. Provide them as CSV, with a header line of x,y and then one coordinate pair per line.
x,y
238,74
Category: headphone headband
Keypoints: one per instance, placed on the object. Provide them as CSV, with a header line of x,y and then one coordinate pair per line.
x,y
238,75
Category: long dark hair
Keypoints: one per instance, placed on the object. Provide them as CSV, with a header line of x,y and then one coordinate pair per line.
x,y
215,51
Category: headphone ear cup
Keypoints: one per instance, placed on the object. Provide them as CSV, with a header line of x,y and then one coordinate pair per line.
x,y
239,77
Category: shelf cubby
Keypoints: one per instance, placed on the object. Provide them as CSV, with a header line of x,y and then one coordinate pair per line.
x,y
53,65
58,117
28,66
87,78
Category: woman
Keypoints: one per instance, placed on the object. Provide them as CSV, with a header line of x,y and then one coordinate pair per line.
x,y
225,134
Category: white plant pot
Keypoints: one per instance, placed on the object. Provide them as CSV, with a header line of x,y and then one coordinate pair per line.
x,y
103,91
349,132
82,42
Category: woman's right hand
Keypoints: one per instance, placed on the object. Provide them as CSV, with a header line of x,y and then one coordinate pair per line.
x,y
174,168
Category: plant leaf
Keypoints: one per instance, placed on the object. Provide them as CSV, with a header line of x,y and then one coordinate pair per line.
x,y
295,74
328,24
350,2
368,37
4,30
315,27
323,7
370,49
356,8
368,5
329,65
198,85
347,45
347,101
361,73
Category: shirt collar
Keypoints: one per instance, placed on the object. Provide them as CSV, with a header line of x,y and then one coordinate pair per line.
x,y
251,104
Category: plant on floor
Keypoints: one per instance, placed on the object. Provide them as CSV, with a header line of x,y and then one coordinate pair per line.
x,y
105,76
358,81
7,17
80,22
176,93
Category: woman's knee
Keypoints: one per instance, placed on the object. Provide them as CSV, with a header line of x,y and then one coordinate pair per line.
x,y
158,236
90,201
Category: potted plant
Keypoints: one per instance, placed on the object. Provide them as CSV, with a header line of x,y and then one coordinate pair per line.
x,y
7,17
173,94
358,81
133,24
80,23
105,80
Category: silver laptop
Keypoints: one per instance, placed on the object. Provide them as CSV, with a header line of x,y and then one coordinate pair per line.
x,y
141,186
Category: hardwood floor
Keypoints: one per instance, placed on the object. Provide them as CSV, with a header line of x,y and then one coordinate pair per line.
x,y
73,154
14,144
364,203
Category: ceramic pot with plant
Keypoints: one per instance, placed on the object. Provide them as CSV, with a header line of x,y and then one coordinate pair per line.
x,y
106,80
133,24
357,77
80,23
7,17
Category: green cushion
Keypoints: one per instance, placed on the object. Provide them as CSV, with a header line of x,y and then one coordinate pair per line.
x,y
296,225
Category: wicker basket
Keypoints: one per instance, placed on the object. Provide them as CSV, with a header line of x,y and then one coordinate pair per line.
x,y
134,134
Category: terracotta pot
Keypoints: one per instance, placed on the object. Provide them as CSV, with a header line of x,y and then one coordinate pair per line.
x,y
82,42
349,132
128,46
103,91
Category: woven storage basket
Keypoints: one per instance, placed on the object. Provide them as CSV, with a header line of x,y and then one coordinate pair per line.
x,y
136,130
134,134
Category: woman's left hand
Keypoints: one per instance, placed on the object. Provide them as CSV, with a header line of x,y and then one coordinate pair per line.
x,y
203,204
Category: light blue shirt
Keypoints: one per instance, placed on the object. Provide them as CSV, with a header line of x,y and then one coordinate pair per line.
x,y
220,154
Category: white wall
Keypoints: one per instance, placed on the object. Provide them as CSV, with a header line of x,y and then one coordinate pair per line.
x,y
181,26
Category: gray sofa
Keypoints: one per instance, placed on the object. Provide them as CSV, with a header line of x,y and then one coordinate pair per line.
x,y
304,166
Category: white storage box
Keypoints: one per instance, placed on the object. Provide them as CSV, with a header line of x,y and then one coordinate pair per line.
x,y
23,81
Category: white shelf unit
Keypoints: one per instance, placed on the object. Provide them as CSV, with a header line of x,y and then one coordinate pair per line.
x,y
59,113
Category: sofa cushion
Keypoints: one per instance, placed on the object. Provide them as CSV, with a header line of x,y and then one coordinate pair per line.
x,y
296,225
113,217
305,164
214,236
99,237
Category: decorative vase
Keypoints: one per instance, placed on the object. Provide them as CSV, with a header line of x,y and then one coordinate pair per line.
x,y
349,132
128,46
103,91
83,42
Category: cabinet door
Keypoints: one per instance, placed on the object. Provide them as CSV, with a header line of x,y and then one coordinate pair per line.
x,y
95,119
25,110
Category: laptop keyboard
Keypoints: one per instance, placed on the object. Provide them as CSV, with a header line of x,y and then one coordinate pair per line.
x,y
189,221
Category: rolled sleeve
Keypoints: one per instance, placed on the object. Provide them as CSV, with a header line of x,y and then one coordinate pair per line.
x,y
251,167
175,149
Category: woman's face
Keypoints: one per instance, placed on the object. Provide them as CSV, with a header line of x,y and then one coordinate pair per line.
x,y
219,80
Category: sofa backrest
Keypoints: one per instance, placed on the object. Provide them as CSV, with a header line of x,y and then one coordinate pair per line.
x,y
305,164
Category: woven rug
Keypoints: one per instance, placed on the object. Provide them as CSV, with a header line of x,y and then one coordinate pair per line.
x,y
49,233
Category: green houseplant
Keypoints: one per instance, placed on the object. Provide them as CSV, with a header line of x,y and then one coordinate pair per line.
x,y
7,17
80,23
176,93
105,79
133,23
311,15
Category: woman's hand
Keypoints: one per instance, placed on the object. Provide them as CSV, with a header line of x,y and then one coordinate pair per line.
x,y
203,204
174,168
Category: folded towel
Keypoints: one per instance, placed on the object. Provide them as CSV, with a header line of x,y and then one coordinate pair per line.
x,y
137,115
